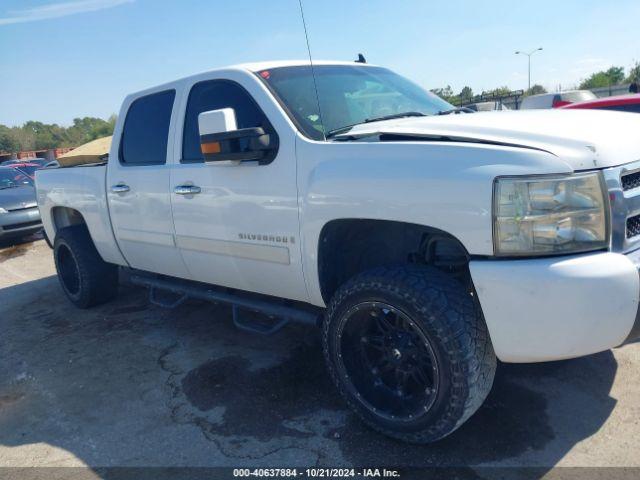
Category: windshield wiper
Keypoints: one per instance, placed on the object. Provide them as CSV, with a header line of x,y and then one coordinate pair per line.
x,y
338,131
394,115
456,110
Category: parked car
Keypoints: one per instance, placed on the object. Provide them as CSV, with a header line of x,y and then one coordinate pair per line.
x,y
27,168
19,214
620,103
9,162
556,100
487,106
14,161
38,161
424,245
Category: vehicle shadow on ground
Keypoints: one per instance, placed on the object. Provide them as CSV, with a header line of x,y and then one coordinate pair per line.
x,y
17,242
130,384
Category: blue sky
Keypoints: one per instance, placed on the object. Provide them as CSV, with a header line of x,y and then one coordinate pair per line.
x,y
61,59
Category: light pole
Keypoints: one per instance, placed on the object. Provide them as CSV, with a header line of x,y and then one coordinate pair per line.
x,y
528,54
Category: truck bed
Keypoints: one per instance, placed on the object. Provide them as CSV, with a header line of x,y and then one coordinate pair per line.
x,y
64,193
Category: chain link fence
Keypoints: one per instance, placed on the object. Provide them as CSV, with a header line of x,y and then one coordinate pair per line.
x,y
512,100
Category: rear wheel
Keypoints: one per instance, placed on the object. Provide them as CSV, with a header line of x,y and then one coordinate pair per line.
x,y
86,279
409,351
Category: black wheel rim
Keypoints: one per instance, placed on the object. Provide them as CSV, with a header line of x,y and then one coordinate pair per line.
x,y
68,270
387,361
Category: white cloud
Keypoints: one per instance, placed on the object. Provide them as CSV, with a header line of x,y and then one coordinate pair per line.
x,y
57,10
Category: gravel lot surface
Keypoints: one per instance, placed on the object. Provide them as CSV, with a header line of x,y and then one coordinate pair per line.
x,y
131,384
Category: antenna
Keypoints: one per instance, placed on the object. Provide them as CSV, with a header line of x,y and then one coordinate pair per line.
x,y
313,72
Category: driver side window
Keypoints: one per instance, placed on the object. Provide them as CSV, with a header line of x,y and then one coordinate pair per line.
x,y
214,95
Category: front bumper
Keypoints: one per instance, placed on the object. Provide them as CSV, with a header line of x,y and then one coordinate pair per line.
x,y
20,222
554,308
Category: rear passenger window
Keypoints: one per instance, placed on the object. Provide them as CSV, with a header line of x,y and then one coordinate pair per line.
x,y
146,130
214,95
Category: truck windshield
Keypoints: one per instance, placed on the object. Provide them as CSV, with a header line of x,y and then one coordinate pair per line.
x,y
349,95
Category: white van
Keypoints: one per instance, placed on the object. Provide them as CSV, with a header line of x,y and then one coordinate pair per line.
x,y
555,100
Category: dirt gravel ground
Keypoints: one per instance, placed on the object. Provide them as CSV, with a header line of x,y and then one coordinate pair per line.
x,y
130,384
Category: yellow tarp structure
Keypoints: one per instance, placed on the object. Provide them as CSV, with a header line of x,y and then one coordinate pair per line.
x,y
92,152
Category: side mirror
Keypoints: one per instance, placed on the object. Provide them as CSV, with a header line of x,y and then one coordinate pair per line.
x,y
220,139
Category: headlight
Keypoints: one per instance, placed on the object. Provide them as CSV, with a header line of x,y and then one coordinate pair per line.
x,y
3,210
548,215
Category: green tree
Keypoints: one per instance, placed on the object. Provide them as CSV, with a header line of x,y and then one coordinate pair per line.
x,y
634,74
604,78
501,91
34,135
445,93
25,138
466,94
616,75
536,90
89,128
596,80
8,141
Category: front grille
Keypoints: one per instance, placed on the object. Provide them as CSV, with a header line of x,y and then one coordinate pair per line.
x,y
623,184
631,181
633,226
16,226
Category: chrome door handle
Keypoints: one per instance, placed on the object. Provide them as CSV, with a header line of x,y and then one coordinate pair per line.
x,y
120,188
187,190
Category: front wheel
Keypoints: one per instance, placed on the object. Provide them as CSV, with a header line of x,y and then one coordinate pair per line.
x,y
409,351
85,277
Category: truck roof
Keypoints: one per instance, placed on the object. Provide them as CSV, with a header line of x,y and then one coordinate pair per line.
x,y
257,66
250,67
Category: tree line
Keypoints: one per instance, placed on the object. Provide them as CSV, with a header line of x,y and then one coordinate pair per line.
x,y
614,75
610,77
35,135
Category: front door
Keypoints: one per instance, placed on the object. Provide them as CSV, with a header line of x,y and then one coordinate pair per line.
x,y
241,229
138,179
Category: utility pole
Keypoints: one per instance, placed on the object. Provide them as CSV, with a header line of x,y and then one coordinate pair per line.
x,y
528,54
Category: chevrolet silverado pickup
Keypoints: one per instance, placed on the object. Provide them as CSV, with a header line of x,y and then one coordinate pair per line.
x,y
426,242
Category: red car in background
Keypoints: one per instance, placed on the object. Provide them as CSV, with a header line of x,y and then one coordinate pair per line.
x,y
620,103
26,168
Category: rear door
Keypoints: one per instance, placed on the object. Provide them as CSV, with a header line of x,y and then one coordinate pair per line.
x,y
138,178
241,230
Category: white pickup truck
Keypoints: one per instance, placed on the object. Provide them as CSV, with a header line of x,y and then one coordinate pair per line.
x,y
425,245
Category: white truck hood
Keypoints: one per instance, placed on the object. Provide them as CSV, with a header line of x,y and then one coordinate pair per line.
x,y
584,139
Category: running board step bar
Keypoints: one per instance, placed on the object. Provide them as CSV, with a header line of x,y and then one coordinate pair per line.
x,y
279,314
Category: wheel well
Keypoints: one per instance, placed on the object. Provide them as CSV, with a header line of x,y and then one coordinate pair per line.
x,y
350,246
66,217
